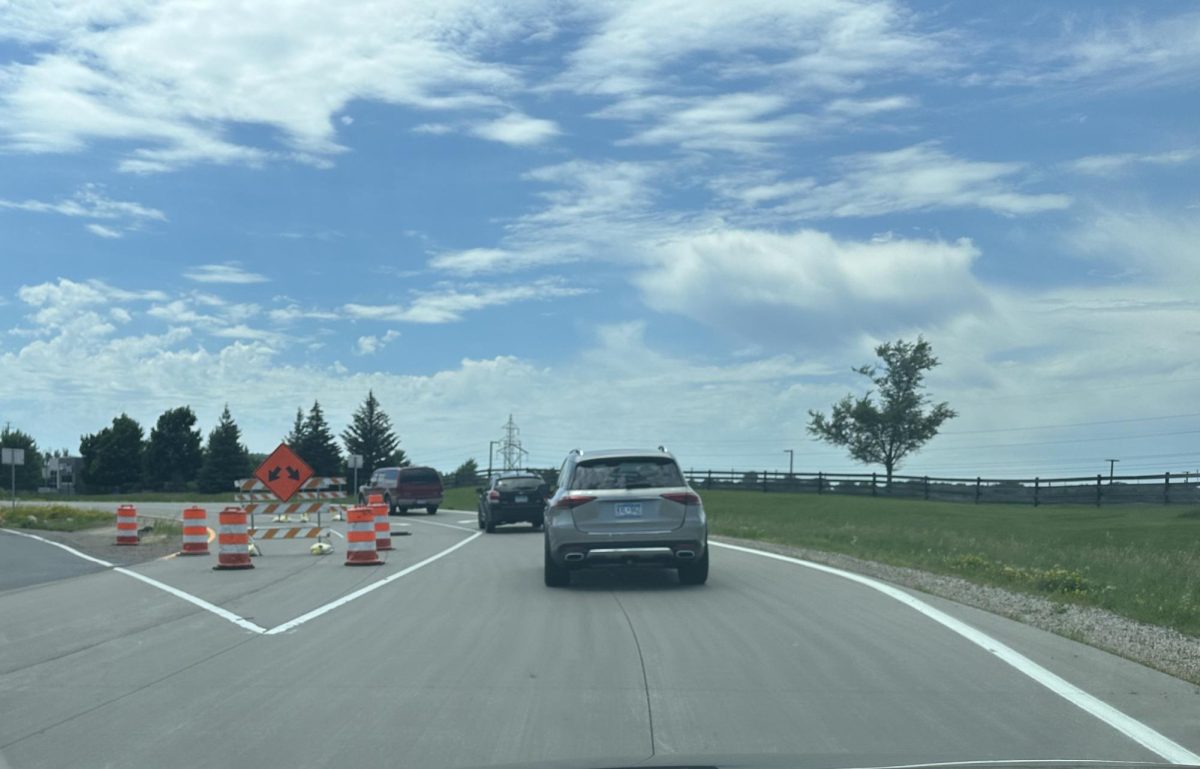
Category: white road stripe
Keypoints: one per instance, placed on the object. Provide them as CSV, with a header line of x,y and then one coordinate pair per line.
x,y
1125,724
317,612
70,550
203,604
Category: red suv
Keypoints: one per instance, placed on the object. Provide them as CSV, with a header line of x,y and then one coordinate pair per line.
x,y
405,487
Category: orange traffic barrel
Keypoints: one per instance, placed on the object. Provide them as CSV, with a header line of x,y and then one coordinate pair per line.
x,y
127,533
233,540
360,539
383,526
195,532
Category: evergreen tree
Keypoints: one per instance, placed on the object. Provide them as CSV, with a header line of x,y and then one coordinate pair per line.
x,y
28,475
112,458
318,446
295,439
225,458
370,434
467,474
173,455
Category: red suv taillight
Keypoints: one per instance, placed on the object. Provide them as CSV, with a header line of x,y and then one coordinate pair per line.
x,y
570,503
682,497
494,495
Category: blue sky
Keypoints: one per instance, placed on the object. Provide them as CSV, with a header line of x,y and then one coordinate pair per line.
x,y
624,223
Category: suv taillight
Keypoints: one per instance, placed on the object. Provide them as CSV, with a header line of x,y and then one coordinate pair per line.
x,y
572,502
494,495
682,497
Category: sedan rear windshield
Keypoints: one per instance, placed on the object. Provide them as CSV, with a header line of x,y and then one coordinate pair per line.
x,y
419,475
519,484
627,473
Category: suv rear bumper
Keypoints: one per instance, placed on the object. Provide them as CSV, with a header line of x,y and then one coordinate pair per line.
x,y
647,552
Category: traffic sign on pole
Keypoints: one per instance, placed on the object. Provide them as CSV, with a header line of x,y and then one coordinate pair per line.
x,y
283,472
12,457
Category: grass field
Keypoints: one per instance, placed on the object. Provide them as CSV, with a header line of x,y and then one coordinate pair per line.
x,y
1141,561
54,517
462,498
140,496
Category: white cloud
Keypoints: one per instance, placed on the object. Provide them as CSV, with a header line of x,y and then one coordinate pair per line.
x,y
1149,247
808,286
516,129
733,122
103,232
450,305
171,78
1113,165
920,177
223,273
473,261
293,312
864,107
434,129
90,202
369,345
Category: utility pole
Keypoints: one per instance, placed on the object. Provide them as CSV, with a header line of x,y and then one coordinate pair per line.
x,y
1111,463
791,458
491,444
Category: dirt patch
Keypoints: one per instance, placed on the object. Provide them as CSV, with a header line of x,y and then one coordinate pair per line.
x,y
100,542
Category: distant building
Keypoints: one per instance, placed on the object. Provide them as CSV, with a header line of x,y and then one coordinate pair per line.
x,y
62,475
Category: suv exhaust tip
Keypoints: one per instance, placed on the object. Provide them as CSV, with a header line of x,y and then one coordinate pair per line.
x,y
573,557
685,555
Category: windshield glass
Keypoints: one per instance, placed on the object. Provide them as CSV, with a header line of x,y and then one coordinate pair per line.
x,y
469,383
626,473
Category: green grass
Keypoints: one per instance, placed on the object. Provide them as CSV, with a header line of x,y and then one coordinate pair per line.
x,y
1141,561
461,498
54,517
140,496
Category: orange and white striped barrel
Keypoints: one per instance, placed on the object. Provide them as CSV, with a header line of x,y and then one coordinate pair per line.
x,y
127,533
233,540
383,526
360,538
195,531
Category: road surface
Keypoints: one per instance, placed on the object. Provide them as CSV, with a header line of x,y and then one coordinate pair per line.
x,y
468,660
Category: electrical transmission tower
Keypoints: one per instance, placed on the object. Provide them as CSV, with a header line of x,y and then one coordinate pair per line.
x,y
510,446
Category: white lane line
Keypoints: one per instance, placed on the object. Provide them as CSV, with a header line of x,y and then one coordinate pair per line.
x,y
340,534
317,612
1125,724
203,604
454,526
70,550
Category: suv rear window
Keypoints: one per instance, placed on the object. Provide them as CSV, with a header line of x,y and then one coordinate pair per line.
x,y
419,475
519,484
627,473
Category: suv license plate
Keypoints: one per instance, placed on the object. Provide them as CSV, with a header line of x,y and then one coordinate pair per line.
x,y
628,509
521,499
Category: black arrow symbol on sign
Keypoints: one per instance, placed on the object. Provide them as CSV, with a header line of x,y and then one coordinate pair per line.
x,y
273,475
293,473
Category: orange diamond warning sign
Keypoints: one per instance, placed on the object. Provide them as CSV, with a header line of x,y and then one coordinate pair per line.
x,y
284,472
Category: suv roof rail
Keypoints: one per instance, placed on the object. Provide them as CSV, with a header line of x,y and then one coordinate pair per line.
x,y
662,449
574,451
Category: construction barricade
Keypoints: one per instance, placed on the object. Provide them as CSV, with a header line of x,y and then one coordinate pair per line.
x,y
233,540
383,525
195,532
127,528
360,539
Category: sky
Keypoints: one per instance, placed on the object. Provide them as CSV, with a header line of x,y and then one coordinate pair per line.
x,y
624,224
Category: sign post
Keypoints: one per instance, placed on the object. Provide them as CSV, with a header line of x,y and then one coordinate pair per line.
x,y
12,458
354,461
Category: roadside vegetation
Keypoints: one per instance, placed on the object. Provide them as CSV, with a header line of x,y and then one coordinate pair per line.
x,y
55,517
1142,562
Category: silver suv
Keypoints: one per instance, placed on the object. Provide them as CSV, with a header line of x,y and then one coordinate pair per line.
x,y
624,507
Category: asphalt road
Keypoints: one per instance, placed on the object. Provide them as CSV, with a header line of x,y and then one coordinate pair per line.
x,y
468,660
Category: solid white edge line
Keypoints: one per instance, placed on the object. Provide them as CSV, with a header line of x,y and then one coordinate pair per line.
x,y
1125,724
70,550
317,612
203,604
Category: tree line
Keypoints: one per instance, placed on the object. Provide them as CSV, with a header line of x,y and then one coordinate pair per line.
x,y
175,457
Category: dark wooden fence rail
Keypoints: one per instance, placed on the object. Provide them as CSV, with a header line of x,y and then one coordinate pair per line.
x,y
1163,488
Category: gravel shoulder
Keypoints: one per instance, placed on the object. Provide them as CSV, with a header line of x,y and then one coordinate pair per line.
x,y
1157,647
100,542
